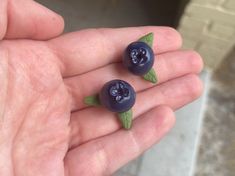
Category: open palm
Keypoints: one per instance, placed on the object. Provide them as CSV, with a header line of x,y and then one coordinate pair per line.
x,y
45,129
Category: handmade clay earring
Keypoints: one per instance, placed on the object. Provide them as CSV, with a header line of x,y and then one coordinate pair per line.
x,y
138,58
117,96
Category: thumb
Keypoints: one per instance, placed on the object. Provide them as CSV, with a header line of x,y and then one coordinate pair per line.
x,y
28,19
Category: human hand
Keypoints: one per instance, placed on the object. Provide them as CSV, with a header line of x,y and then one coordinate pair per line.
x,y
45,129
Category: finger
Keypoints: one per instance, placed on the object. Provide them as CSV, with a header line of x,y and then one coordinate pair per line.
x,y
167,66
109,153
86,50
91,123
28,19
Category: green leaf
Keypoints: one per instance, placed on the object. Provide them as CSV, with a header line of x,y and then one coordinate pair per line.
x,y
92,100
126,119
147,39
151,76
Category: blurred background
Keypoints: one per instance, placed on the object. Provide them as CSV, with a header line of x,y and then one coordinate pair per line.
x,y
203,141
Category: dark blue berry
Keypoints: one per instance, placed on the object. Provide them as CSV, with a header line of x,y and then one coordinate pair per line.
x,y
138,58
117,96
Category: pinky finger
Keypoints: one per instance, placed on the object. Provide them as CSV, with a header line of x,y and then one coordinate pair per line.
x,y
105,155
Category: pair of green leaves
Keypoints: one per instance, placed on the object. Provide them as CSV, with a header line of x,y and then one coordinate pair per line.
x,y
151,75
126,117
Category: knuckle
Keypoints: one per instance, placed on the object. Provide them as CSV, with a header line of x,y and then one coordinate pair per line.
x,y
196,60
195,85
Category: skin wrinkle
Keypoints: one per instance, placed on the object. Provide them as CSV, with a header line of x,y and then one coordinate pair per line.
x,y
103,159
34,29
74,93
13,145
9,169
136,148
24,68
69,90
18,129
106,43
53,94
39,79
8,16
164,66
102,46
54,53
32,58
61,62
17,132
10,90
74,133
12,6
3,106
54,49
159,94
66,169
4,17
45,110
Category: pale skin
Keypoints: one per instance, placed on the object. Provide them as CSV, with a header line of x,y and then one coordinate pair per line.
x,y
45,129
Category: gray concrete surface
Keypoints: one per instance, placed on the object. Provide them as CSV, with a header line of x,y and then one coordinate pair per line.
x,y
217,148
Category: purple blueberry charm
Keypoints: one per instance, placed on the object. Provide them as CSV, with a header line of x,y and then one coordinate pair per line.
x,y
117,96
138,58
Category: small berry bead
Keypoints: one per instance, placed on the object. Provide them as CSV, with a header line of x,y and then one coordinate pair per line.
x,y
117,96
138,58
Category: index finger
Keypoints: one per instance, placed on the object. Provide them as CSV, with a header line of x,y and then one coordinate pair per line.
x,y
83,51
